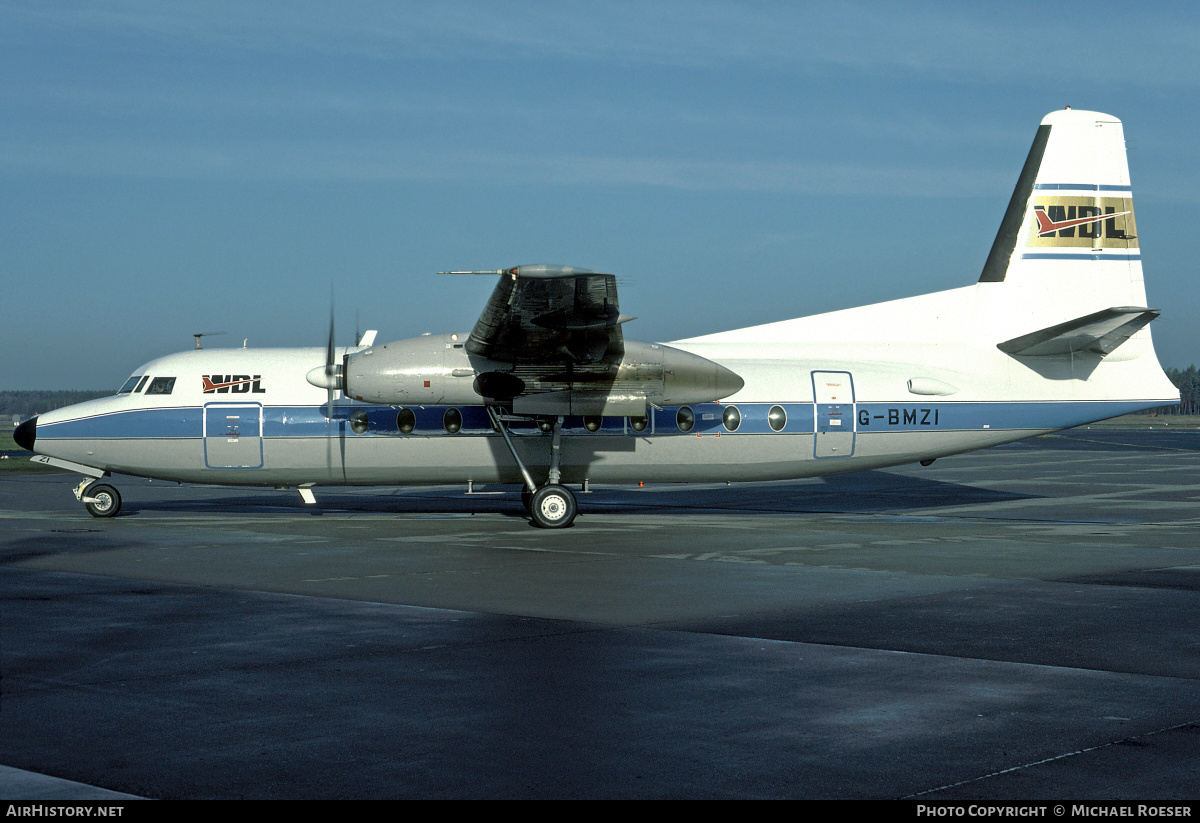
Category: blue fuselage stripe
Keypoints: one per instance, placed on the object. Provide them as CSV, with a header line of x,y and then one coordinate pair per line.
x,y
310,421
1082,187
1079,256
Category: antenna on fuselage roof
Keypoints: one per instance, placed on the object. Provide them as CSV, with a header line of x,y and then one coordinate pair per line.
x,y
200,334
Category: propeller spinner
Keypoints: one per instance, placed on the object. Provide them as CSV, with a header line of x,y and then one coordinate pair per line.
x,y
329,376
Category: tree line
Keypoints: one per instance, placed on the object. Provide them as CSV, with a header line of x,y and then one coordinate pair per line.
x,y
1188,382
28,403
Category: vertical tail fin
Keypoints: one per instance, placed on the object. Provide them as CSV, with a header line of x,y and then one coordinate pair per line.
x,y
1069,237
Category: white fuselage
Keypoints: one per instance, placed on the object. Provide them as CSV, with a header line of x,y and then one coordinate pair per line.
x,y
856,389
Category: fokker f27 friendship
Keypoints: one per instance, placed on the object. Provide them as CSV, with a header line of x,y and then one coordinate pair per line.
x,y
546,391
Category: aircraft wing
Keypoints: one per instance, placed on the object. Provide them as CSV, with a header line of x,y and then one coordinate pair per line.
x,y
548,343
550,314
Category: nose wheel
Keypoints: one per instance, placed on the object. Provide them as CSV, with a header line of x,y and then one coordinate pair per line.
x,y
101,500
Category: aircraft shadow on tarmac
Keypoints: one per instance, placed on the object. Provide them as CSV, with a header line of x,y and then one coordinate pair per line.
x,y
861,492
67,540
1141,440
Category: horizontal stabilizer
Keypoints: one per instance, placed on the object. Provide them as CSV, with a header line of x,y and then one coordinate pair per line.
x,y
1100,333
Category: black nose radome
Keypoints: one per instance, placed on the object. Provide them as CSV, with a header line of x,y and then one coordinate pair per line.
x,y
25,433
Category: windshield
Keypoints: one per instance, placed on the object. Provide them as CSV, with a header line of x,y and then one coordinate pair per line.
x,y
129,385
161,385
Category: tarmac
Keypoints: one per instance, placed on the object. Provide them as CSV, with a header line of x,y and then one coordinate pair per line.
x,y
1015,623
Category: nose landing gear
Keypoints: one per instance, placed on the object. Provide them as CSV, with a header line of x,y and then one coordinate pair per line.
x,y
100,499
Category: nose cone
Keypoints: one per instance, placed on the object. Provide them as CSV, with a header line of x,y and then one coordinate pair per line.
x,y
26,433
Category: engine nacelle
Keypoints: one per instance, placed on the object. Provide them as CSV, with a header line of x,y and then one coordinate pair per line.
x,y
429,370
437,370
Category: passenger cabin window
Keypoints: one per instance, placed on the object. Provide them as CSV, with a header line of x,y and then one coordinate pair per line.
x,y
131,385
777,417
161,385
731,418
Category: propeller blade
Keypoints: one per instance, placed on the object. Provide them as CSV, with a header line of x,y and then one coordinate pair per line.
x,y
333,384
329,393
329,347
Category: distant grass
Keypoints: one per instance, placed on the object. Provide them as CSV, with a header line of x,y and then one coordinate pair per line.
x,y
21,464
18,461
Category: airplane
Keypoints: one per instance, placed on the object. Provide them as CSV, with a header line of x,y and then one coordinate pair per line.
x,y
546,392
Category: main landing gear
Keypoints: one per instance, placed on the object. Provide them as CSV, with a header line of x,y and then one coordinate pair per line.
x,y
551,506
100,499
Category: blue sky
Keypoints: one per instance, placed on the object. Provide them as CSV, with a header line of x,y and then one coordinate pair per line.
x,y
170,168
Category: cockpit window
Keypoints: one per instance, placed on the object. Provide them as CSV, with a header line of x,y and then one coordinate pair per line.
x,y
142,383
129,384
161,385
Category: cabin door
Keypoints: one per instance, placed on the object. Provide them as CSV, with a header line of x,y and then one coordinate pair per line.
x,y
833,392
233,436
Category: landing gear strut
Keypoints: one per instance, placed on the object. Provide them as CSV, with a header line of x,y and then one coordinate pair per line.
x,y
551,506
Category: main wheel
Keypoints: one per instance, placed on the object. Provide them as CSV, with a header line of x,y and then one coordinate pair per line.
x,y
553,507
105,500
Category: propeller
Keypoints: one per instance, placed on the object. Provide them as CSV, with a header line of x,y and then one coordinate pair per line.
x,y
332,378
329,377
